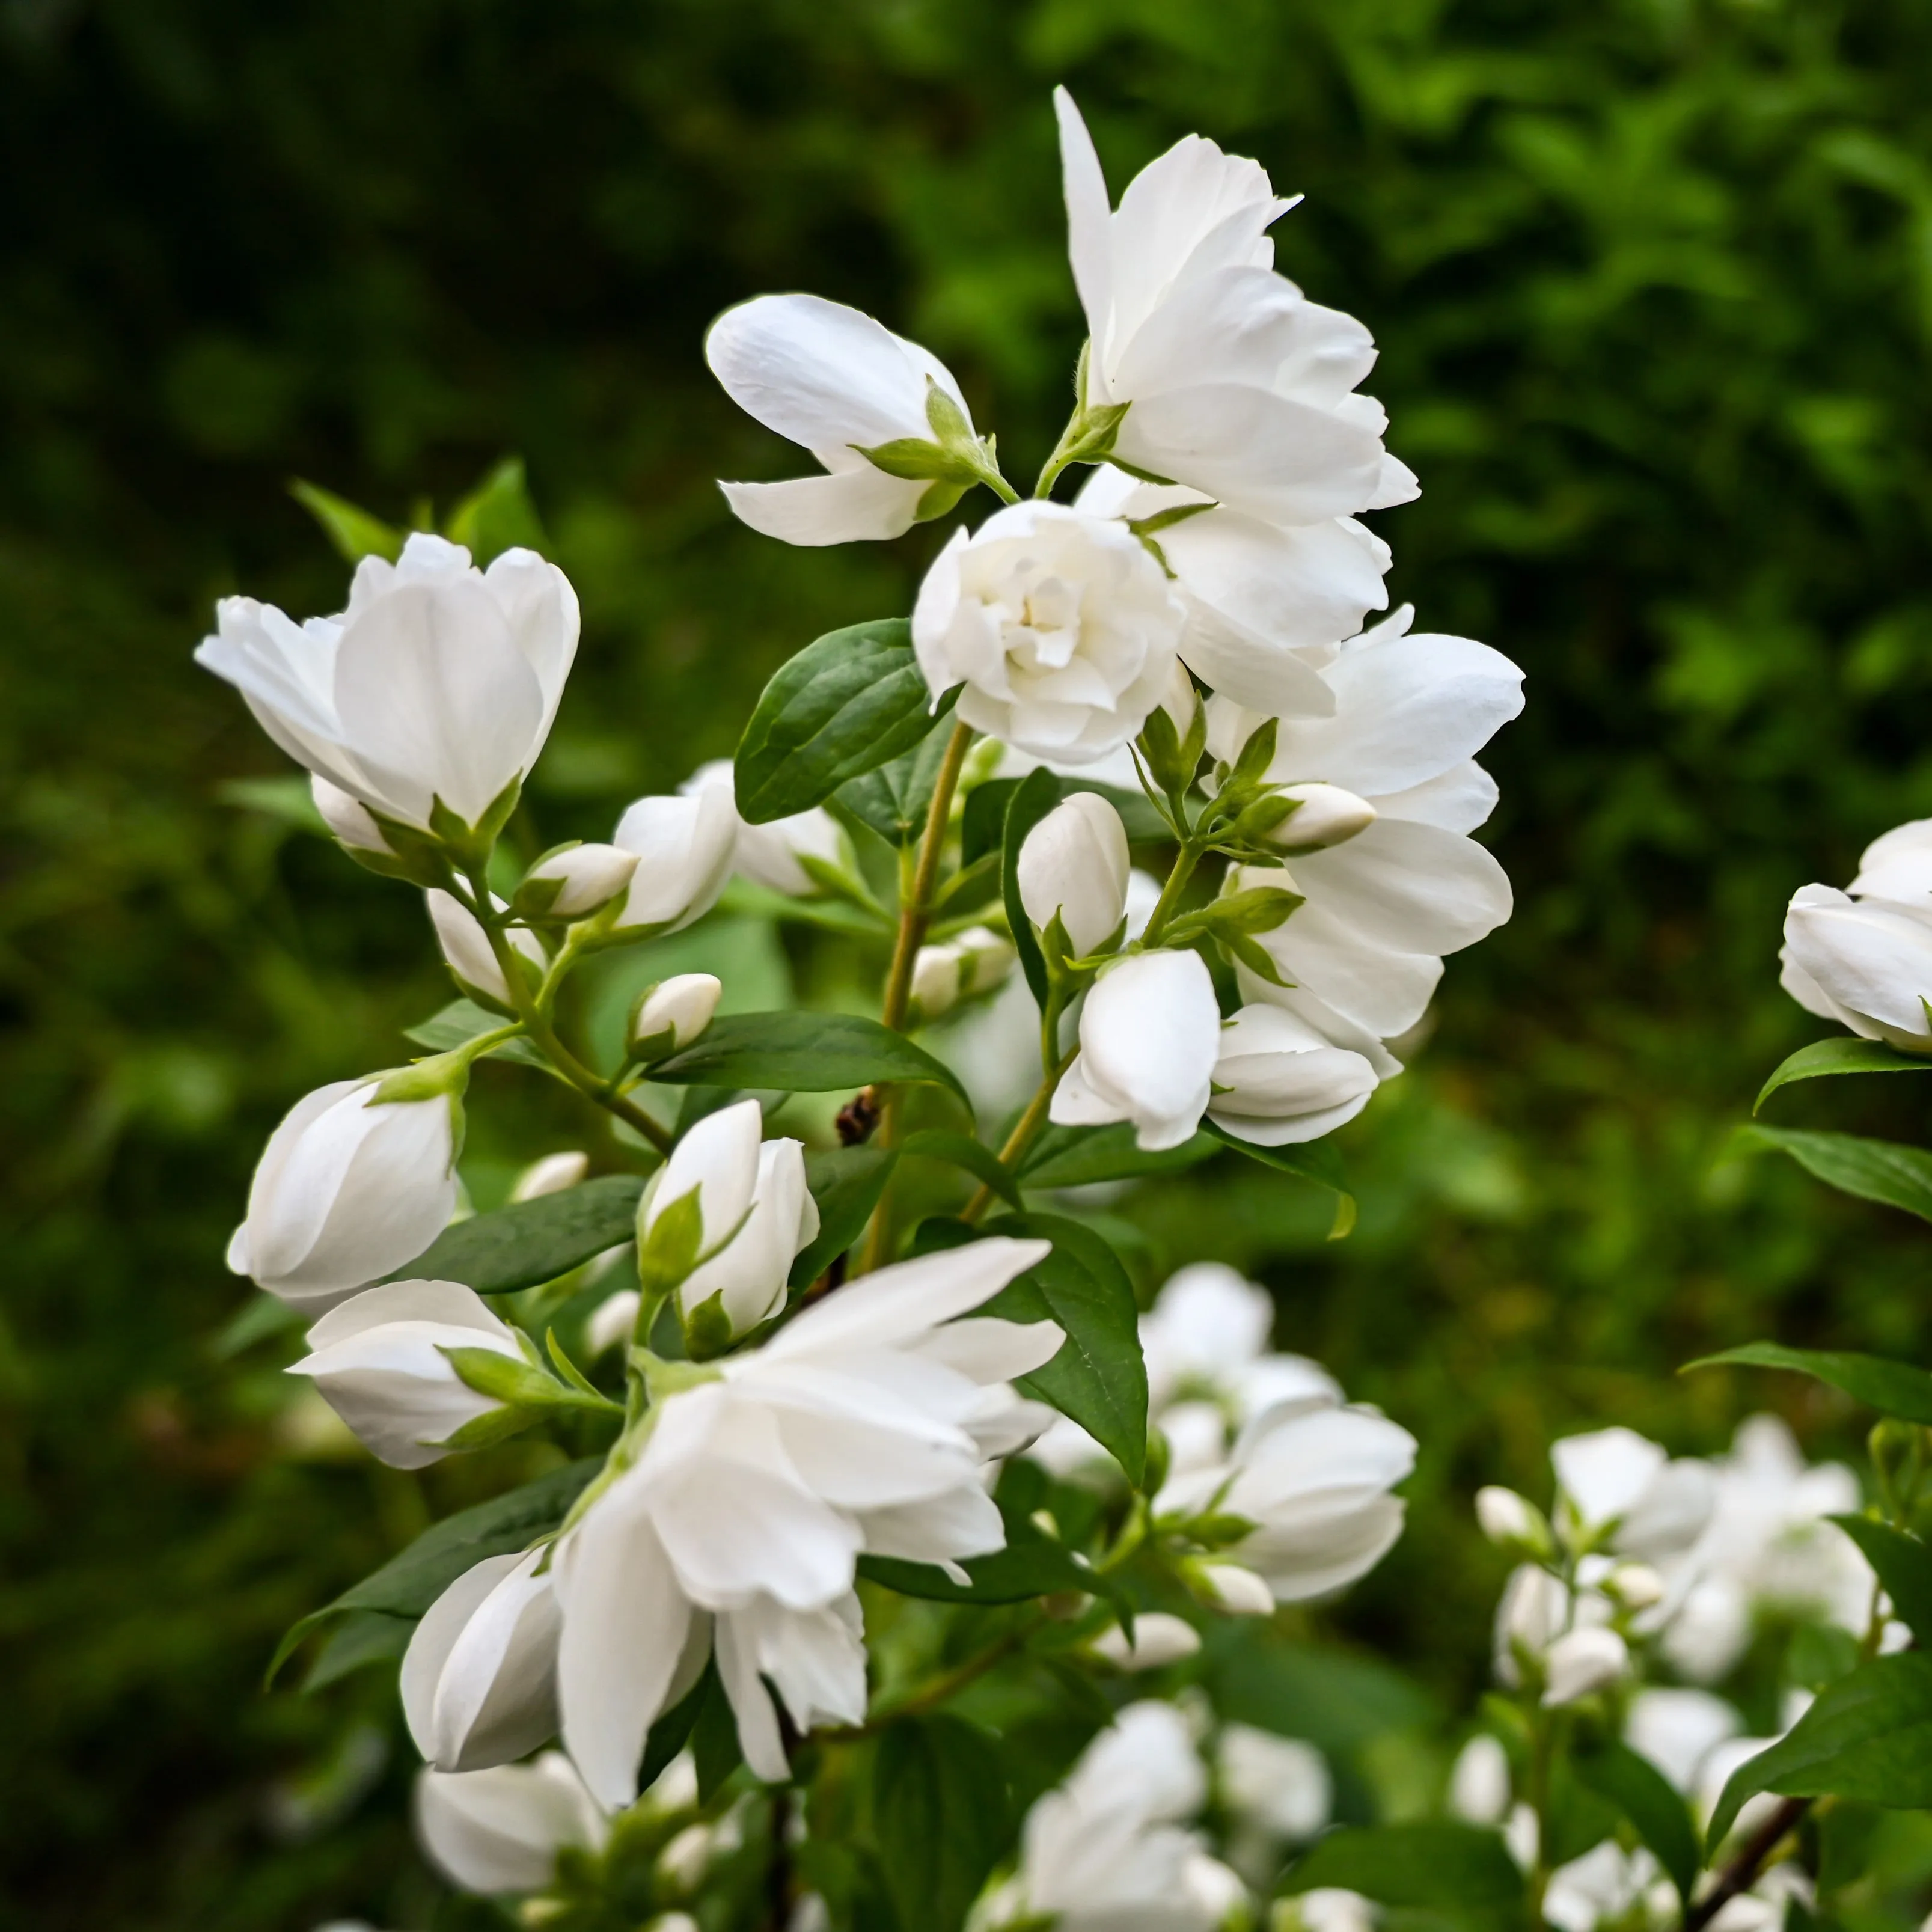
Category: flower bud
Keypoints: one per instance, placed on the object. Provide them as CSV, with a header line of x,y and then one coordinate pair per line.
x,y
974,961
672,1014
479,1680
467,952
553,1175
1159,1639
612,1321
500,1830
772,855
1278,1080
935,980
1074,862
1479,1786
349,1188
575,882
378,1361
1511,1520
1582,1662
1636,1585
1323,815
349,818
1229,1587
684,848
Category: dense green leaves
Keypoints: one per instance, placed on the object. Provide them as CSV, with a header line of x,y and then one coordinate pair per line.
x,y
1893,1388
941,1818
1874,1170
846,1182
1455,1868
847,703
1840,1054
531,1241
802,1053
1904,1565
1868,1737
1656,1811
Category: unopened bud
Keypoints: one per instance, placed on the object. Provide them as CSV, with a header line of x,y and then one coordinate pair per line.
x,y
574,882
672,1014
1511,1520
348,818
467,952
1584,1661
973,961
1635,1585
1323,815
551,1175
1230,1587
1074,862
935,980
1159,1639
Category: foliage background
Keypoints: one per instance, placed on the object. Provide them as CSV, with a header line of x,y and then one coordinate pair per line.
x,y
1653,280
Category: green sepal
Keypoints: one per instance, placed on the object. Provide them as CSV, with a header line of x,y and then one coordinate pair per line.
x,y
354,532
938,498
913,460
668,1251
707,1328
504,1378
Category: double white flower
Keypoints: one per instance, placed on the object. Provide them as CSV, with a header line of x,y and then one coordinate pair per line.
x,y
440,681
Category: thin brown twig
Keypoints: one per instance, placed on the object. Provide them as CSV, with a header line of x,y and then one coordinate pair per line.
x,y
1742,1871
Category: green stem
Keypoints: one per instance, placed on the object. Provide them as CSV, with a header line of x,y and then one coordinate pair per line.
x,y
1026,1131
1184,863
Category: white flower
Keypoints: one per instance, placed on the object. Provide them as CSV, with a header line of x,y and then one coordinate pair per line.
x,y
1581,1662
1074,862
754,1214
1603,1885
439,682
770,855
1505,1517
1105,1851
378,1361
613,1320
862,1425
1313,1477
585,877
553,1173
348,1189
1159,1639
973,961
1479,1783
684,848
1236,385
1278,1080
1149,1034
831,378
1766,1907
501,1830
479,1678
1863,957
1061,626
1677,1729
674,1012
1617,1486
1280,1785
1330,1908
465,947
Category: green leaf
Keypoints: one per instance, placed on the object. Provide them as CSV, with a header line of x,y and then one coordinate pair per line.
x,y
1098,1377
714,1735
1458,1868
1032,1564
672,1731
1074,1157
1841,1055
1881,1171
1904,1566
290,800
1033,798
893,800
962,1150
802,1053
1892,1388
1868,1737
983,823
362,1637
460,1022
1650,1801
355,532
410,1581
498,515
1339,1702
941,1818
1311,1160
854,699
530,1242
846,1182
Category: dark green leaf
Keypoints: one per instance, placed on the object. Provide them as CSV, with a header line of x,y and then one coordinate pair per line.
x,y
460,1022
983,824
847,703
846,1182
1892,1388
355,532
941,1818
1650,1801
1904,1566
962,1150
1033,798
362,1637
1311,1160
672,1731
530,1242
1868,1737
1458,1868
1074,1157
1098,1377
1881,1171
802,1053
1337,1701
714,1735
498,515
893,800
1841,1055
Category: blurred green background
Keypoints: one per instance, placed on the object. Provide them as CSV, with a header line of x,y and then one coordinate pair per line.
x,y
1653,281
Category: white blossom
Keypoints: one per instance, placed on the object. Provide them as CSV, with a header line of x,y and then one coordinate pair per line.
x,y
1607,1883
1678,1729
1479,1781
973,961
1280,1786
439,682
378,1361
771,855
834,380
684,848
500,1830
1061,626
1074,863
1617,1487
1505,1517
673,1012
1582,1662
584,877
1277,1080
466,951
1150,1032
348,1189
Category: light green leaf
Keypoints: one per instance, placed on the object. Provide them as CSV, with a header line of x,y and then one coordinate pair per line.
x,y
1841,1055
498,515
354,532
1075,1157
941,1817
803,1053
1311,1160
460,1022
292,800
1456,1868
1881,1171
962,1150
530,1242
1892,1388
893,800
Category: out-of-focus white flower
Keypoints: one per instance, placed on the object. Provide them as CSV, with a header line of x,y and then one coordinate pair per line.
x,y
1534,1610
1618,1487
1150,1033
1604,1884
554,1174
1479,1783
479,1678
1329,1908
1314,1478
1677,1729
684,848
466,952
576,881
439,682
1583,1662
348,1189
973,961
1061,626
1106,1850
1362,955
1235,384
755,1213
1279,1785
378,1360
1277,1080
1159,1639
612,1321
863,1425
834,380
1766,1907
1505,1517
771,855
1074,862
673,1012
500,1830
1863,957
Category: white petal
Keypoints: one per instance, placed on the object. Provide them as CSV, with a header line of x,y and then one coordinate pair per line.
x,y
1411,887
851,506
1089,217
1460,800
